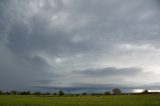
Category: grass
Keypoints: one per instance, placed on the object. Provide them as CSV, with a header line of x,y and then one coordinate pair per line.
x,y
130,100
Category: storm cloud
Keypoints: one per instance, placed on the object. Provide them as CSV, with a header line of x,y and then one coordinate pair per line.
x,y
64,43
110,72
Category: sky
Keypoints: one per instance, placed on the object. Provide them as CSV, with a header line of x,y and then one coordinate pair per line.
x,y
80,44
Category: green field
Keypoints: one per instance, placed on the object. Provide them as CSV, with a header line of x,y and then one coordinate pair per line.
x,y
139,100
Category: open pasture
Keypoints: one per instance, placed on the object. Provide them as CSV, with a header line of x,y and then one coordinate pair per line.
x,y
124,100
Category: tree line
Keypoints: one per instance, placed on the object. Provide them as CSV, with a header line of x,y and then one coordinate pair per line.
x,y
115,91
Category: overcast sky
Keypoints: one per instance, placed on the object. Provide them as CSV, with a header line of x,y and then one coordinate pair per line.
x,y
78,43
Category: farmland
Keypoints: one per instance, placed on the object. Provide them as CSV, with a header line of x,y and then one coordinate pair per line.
x,y
123,100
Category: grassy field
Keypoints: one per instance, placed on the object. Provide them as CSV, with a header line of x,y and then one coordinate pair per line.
x,y
139,100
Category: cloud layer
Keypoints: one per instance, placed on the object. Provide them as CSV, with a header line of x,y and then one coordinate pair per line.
x,y
64,43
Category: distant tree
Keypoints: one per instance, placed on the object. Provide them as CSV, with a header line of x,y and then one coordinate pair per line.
x,y
28,93
107,93
14,92
93,94
77,95
7,93
55,94
60,93
145,91
1,92
116,91
22,93
84,93
47,93
37,93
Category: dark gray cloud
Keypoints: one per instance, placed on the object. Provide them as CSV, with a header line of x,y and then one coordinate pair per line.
x,y
43,41
20,72
111,72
